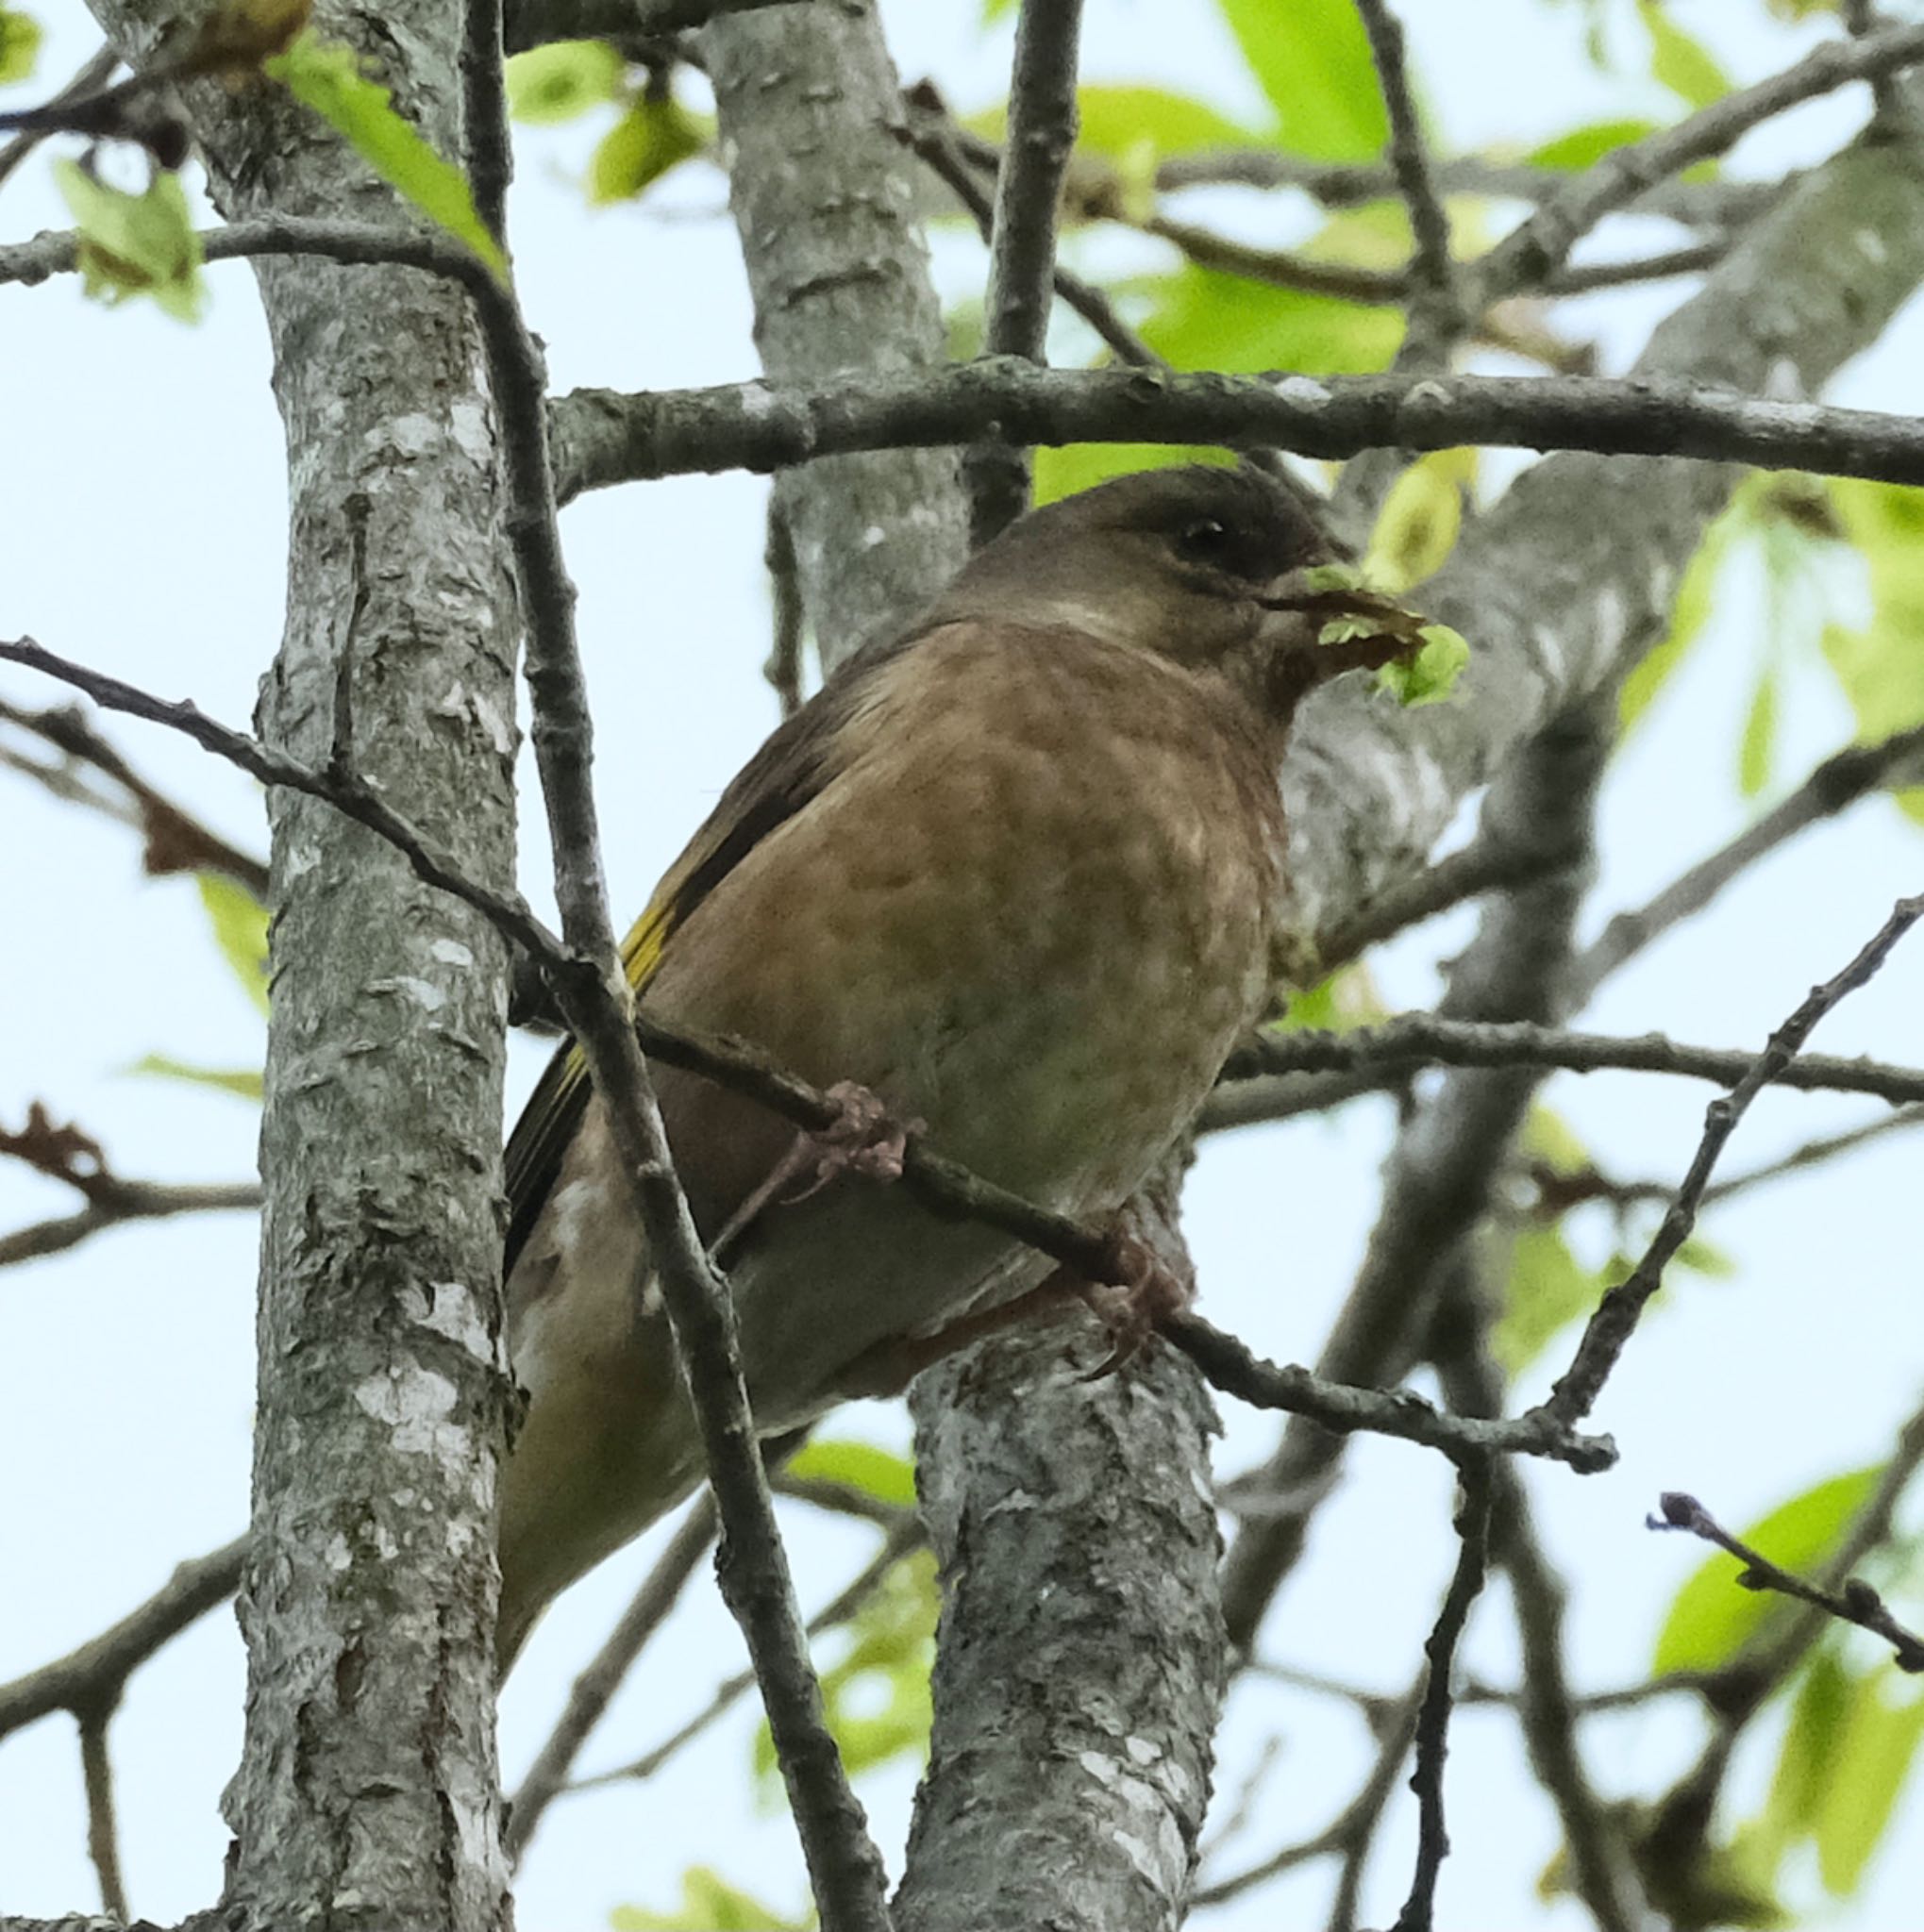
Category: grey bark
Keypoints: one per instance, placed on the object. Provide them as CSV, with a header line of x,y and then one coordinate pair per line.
x,y
824,200
368,1789
1080,1661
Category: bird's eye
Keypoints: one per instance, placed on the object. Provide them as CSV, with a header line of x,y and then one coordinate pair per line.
x,y
1206,540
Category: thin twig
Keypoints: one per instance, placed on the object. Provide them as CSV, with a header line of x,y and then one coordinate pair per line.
x,y
906,1535
1348,1834
1534,250
1432,1722
126,1201
1484,865
175,841
102,1837
930,134
846,1870
1834,785
1231,1367
91,75
597,1685
1022,239
784,670
1435,312
1887,112
92,1674
1855,1601
1414,1040
1616,1316
1350,184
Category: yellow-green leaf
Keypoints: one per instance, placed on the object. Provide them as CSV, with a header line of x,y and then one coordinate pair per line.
x,y
1584,147
1695,595
654,135
20,39
1117,120
876,1473
1312,58
1419,525
1712,1616
876,1699
1340,1000
1758,746
240,928
1547,1290
562,80
135,245
709,1904
243,1081
1806,1757
1872,1760
1679,61
1430,675
326,76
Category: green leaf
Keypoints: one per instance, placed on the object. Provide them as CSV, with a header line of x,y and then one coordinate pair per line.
x,y
240,924
709,1904
1756,752
876,1699
993,11
1547,1288
1420,520
1880,667
1430,675
1584,147
876,1473
245,1081
1872,1760
1712,1617
1700,1258
135,245
1805,1758
1344,999
1205,319
1680,63
20,39
655,134
1071,467
326,76
1312,58
561,80
1119,121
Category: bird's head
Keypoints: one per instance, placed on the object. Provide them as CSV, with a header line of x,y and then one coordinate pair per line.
x,y
1222,570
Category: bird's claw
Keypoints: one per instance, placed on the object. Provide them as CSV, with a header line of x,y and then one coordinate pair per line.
x,y
864,1139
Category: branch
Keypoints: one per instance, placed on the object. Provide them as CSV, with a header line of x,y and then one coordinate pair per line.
x,y
103,1836
603,438
1855,1601
845,1869
1233,1368
1348,184
1839,782
1022,241
175,841
1615,1319
1394,1048
1432,1722
1534,250
94,1674
126,1201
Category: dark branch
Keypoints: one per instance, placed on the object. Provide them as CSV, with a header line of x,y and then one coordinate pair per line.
x,y
1854,1601
1432,1720
92,1677
1022,238
1616,1316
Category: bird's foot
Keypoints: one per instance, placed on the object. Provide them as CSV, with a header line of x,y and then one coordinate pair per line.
x,y
1138,1287
864,1139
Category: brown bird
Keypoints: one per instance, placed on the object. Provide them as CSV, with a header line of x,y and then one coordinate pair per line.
x,y
1016,870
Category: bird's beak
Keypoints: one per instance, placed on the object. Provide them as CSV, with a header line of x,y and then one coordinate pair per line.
x,y
1320,628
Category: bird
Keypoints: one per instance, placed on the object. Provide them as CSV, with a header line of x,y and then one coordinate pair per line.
x,y
1014,876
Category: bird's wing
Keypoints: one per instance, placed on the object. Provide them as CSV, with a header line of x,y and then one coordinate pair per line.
x,y
794,765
